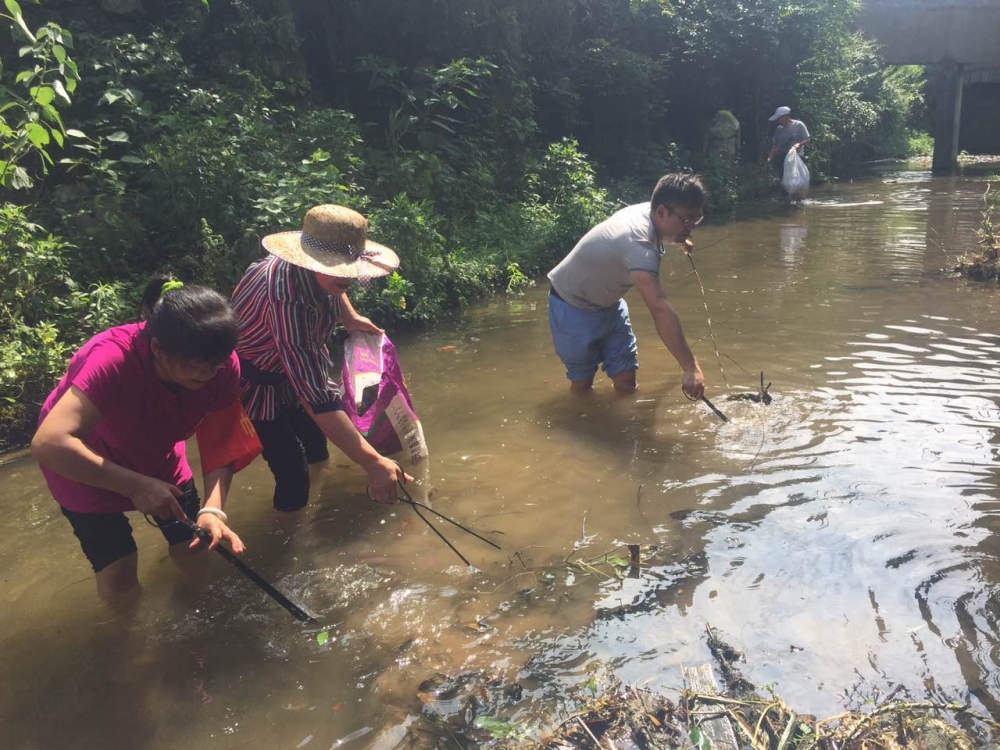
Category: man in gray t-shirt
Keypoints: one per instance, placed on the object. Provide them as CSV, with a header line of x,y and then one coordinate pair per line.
x,y
788,135
587,315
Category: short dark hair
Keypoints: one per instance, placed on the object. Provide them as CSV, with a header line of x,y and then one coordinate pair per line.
x,y
673,190
193,322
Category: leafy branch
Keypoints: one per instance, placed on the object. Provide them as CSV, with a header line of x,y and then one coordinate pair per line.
x,y
30,123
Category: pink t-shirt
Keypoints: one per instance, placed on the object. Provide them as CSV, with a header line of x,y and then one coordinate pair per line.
x,y
144,421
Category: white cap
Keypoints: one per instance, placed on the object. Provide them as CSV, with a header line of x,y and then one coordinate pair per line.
x,y
779,112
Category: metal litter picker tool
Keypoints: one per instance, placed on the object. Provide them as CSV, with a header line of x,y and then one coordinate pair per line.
x,y
206,538
404,497
296,611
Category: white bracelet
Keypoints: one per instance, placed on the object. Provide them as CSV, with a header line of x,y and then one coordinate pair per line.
x,y
214,512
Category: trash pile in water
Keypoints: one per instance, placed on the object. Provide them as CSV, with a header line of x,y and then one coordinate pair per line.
x,y
610,715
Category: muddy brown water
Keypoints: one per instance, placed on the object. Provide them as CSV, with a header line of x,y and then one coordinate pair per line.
x,y
843,537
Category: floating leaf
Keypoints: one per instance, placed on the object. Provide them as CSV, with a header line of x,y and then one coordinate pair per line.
x,y
129,159
499,729
74,133
700,739
323,637
119,136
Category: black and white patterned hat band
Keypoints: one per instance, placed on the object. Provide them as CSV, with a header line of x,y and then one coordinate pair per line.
x,y
339,248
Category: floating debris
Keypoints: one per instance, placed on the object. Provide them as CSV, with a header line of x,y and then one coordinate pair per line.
x,y
610,715
760,397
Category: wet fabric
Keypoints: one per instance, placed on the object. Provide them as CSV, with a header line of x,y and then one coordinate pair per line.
x,y
291,441
595,275
144,421
107,537
586,339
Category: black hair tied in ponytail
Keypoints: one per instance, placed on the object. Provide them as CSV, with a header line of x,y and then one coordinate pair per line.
x,y
191,322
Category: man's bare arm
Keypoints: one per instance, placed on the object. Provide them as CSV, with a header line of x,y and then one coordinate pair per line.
x,y
668,326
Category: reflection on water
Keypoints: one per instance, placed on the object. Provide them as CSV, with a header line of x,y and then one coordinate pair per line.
x,y
843,537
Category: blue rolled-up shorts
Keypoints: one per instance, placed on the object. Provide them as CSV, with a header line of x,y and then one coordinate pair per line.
x,y
586,339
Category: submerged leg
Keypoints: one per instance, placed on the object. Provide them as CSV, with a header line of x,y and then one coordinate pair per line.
x,y
581,387
286,457
624,382
119,579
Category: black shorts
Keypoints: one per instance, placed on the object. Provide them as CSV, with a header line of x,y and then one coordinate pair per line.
x,y
107,537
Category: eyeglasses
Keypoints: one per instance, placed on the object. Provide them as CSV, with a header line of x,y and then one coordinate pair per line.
x,y
689,222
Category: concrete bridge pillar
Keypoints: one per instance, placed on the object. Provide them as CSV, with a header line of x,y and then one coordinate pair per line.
x,y
948,118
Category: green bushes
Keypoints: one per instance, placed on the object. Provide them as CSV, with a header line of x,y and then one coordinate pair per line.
x,y
44,315
983,264
44,310
856,109
459,129
490,250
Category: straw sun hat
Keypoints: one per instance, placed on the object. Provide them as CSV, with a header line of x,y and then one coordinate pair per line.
x,y
333,241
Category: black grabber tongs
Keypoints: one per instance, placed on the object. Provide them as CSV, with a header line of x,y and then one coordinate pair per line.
x,y
404,497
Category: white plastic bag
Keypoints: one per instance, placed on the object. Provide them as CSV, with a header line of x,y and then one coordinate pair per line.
x,y
795,177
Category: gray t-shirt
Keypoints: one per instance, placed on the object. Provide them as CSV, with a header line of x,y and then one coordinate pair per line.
x,y
595,274
784,137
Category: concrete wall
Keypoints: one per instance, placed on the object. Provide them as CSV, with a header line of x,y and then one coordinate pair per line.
x,y
980,133
930,31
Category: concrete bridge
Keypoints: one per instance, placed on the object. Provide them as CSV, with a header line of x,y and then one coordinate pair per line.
x,y
960,37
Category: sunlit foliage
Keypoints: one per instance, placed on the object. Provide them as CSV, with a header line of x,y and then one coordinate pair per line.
x,y
481,137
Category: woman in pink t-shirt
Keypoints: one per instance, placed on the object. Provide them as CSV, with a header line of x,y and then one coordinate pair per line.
x,y
111,435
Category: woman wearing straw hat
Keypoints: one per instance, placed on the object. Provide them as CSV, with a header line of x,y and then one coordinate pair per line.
x,y
288,305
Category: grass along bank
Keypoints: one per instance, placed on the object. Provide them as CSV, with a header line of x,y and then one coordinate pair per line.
x,y
983,263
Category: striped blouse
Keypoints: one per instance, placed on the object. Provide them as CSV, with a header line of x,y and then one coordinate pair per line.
x,y
286,319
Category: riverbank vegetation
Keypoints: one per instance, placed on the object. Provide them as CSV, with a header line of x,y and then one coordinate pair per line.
x,y
983,264
480,137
